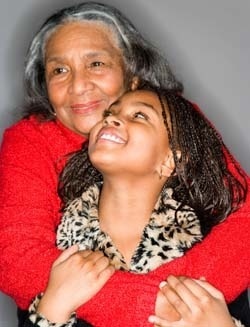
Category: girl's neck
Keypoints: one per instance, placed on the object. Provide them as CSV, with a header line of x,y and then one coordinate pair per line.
x,y
128,202
124,211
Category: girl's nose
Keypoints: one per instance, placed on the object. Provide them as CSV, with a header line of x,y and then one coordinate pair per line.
x,y
112,120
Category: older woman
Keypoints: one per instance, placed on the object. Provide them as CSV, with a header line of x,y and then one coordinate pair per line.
x,y
81,60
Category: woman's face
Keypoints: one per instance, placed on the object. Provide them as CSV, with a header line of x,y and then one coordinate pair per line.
x,y
132,137
84,73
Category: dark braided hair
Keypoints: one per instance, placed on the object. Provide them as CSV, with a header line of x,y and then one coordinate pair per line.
x,y
201,178
77,176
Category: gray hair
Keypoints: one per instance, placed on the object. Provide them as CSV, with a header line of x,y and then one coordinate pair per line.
x,y
140,57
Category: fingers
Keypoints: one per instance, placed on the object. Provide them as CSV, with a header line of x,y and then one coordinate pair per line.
x,y
163,308
185,294
95,265
178,295
76,276
198,303
92,262
66,254
99,263
195,290
210,288
158,322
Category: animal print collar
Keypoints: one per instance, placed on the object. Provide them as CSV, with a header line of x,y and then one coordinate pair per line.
x,y
167,235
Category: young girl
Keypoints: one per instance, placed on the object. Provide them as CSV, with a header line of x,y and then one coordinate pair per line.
x,y
157,184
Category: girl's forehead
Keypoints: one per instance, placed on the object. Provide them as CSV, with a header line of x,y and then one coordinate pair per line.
x,y
143,96
139,100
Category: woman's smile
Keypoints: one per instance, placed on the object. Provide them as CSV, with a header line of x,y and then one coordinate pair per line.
x,y
86,108
84,73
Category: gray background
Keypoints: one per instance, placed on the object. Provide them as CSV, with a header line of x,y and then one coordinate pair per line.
x,y
208,46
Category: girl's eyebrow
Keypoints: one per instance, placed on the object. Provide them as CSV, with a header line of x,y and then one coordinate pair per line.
x,y
115,103
137,104
145,104
141,103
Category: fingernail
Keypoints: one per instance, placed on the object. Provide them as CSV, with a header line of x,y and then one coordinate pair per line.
x,y
151,319
162,284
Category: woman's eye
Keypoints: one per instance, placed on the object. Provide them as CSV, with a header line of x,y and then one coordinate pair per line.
x,y
141,115
107,113
59,70
96,64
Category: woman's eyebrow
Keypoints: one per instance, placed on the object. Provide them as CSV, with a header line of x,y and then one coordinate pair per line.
x,y
90,55
95,54
53,59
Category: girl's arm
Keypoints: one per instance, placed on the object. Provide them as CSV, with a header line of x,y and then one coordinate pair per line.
x,y
76,276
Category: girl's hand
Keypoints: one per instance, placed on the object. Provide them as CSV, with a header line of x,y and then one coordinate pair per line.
x,y
198,303
75,277
163,308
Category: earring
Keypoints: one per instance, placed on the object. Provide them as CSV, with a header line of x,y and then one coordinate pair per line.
x,y
51,111
160,174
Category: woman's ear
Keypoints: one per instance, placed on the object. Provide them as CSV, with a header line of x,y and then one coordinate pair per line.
x,y
134,83
168,166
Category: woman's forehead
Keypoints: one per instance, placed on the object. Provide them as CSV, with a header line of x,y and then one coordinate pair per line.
x,y
96,32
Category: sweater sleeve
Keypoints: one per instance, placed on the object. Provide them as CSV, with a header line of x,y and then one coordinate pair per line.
x,y
29,212
25,321
223,256
79,323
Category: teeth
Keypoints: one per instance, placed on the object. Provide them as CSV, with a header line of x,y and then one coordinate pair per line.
x,y
112,138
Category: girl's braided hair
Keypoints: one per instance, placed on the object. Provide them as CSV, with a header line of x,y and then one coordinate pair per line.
x,y
201,178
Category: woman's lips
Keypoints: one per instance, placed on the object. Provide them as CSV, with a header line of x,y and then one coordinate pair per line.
x,y
85,108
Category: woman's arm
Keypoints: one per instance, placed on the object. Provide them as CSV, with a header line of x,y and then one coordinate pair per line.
x,y
223,256
29,206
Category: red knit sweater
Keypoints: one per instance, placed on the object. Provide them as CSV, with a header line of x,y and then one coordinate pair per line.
x,y
31,157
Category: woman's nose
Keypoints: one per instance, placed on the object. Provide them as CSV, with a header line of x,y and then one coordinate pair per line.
x,y
80,83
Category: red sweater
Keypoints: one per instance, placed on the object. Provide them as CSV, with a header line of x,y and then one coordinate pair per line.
x,y
31,156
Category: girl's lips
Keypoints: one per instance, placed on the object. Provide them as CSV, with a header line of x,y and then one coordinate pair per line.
x,y
85,108
110,134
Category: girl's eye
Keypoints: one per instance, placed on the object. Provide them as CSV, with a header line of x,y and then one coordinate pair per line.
x,y
141,115
106,113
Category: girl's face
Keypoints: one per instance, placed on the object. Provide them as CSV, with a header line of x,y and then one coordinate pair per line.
x,y
84,73
132,137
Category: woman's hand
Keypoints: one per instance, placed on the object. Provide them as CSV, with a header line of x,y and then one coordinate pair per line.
x,y
75,277
198,303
